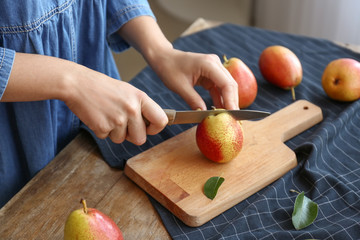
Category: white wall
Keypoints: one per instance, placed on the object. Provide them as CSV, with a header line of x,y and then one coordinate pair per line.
x,y
233,11
337,20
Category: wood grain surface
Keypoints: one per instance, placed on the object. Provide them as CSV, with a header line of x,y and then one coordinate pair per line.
x,y
40,209
174,172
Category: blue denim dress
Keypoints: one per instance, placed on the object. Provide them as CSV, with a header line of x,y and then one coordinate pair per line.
x,y
83,31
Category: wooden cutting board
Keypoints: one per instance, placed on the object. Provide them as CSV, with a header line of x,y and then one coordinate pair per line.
x,y
174,172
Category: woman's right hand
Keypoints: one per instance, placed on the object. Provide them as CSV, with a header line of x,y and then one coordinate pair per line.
x,y
115,109
109,107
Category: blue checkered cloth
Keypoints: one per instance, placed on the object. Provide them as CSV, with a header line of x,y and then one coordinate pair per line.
x,y
328,154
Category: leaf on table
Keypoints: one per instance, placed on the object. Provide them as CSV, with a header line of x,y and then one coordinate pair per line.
x,y
212,185
305,212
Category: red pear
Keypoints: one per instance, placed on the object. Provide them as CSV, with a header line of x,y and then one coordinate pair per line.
x,y
281,67
245,80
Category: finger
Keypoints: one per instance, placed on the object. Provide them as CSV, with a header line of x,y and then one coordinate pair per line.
x,y
101,135
216,97
230,97
118,134
227,88
214,76
100,128
136,129
225,83
191,97
155,116
117,131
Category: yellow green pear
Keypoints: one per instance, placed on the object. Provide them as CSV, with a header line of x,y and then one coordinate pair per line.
x,y
90,224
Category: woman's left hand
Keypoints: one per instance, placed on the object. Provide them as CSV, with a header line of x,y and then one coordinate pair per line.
x,y
181,71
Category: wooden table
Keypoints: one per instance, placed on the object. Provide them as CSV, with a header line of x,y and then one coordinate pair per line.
x,y
40,209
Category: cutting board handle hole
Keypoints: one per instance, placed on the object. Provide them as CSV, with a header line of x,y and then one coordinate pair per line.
x,y
306,107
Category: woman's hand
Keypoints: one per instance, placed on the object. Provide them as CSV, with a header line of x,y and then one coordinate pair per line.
x,y
114,109
181,71
109,107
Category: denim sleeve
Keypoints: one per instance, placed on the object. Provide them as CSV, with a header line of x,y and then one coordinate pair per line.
x,y
7,57
119,13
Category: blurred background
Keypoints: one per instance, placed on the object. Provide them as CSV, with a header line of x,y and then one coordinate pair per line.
x,y
335,20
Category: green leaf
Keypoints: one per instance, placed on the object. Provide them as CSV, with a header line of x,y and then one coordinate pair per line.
x,y
212,185
305,212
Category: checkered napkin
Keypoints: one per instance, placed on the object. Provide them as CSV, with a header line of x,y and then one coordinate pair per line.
x,y
328,154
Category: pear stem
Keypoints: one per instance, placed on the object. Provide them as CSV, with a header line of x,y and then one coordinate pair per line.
x,y
293,93
292,190
225,58
83,201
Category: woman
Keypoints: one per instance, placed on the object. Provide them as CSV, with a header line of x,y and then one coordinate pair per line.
x,y
57,70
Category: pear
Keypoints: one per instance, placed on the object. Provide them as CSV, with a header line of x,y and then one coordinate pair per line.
x,y
90,223
245,79
220,137
281,67
341,79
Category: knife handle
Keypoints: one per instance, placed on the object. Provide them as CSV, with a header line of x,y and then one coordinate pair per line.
x,y
170,113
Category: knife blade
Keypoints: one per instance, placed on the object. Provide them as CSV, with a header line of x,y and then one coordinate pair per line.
x,y
194,116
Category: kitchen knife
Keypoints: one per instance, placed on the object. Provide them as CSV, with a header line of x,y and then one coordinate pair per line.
x,y
192,116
